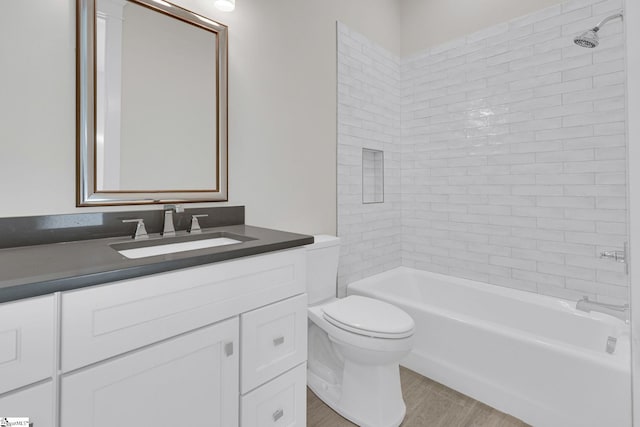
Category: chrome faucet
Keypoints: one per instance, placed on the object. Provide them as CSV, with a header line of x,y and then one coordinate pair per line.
x,y
169,230
141,231
615,310
195,225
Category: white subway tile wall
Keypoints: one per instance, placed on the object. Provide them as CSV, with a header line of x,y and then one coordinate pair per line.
x,y
506,155
368,117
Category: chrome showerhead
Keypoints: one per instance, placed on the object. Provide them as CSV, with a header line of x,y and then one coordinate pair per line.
x,y
588,38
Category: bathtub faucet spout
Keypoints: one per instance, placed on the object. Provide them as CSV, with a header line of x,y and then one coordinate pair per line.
x,y
619,311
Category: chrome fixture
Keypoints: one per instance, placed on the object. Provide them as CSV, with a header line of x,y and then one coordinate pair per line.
x,y
618,256
619,311
590,37
141,231
195,225
168,229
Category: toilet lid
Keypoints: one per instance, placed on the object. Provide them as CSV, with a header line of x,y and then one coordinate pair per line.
x,y
368,316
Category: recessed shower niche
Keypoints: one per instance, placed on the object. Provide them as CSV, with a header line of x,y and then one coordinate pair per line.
x,y
372,176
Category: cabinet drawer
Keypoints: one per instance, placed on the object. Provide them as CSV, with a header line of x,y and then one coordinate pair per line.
x,y
34,402
187,380
104,321
281,402
274,339
26,342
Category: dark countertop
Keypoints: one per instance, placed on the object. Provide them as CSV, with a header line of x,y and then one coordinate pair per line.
x,y
29,271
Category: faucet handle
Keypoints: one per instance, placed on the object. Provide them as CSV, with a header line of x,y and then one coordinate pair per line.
x,y
141,231
195,225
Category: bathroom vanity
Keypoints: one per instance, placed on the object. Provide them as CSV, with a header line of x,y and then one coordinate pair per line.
x,y
205,340
199,328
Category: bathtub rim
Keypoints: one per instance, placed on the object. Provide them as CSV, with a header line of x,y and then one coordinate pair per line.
x,y
619,360
558,303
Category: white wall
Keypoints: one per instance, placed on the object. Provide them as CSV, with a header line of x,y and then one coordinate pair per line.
x,y
513,165
427,23
282,107
282,100
37,107
368,117
515,145
632,17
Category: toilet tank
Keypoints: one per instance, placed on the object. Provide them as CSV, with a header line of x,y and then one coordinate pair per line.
x,y
322,268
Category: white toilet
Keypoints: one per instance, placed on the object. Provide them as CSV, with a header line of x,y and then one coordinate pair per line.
x,y
355,344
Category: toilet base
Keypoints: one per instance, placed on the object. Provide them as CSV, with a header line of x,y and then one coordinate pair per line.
x,y
369,396
358,376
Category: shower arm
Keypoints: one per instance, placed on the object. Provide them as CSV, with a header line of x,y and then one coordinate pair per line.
x,y
607,19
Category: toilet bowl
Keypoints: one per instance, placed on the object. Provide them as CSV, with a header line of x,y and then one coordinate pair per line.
x,y
355,345
355,371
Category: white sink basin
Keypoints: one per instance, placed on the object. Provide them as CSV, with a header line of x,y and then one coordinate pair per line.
x,y
171,248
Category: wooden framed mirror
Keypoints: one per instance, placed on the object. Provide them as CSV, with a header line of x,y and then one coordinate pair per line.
x,y
151,104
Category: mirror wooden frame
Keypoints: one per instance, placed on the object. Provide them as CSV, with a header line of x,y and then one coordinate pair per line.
x,y
87,193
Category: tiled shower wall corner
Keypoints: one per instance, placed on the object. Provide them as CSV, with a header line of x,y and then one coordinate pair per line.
x,y
513,155
368,117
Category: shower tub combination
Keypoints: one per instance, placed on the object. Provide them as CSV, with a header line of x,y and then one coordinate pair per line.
x,y
529,355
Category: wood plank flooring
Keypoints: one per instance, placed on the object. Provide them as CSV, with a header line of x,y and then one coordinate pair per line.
x,y
429,404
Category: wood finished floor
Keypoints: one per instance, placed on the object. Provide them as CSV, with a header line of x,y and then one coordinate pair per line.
x,y
429,404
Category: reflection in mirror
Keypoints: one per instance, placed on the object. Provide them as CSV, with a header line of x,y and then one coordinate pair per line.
x,y
160,115
144,102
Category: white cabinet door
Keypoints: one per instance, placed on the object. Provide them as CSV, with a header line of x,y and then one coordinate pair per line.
x,y
35,403
26,342
190,380
105,321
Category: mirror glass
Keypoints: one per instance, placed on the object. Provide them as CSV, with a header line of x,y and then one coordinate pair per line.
x,y
152,104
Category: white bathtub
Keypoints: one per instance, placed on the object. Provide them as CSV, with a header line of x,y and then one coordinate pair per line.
x,y
528,355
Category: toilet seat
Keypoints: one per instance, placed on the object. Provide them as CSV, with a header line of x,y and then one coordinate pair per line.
x,y
369,317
